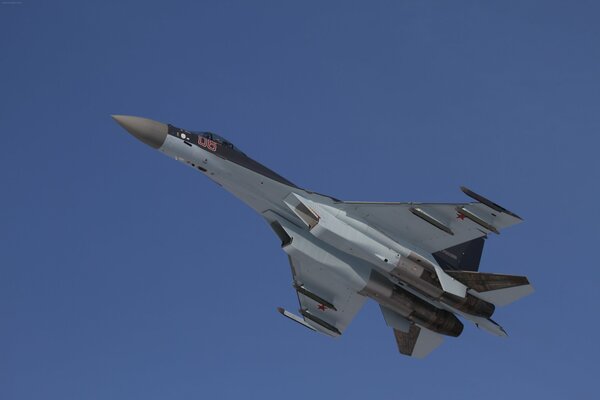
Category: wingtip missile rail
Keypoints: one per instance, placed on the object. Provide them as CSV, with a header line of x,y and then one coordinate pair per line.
x,y
485,201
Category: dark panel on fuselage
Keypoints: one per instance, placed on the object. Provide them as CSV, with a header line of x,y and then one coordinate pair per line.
x,y
217,145
463,257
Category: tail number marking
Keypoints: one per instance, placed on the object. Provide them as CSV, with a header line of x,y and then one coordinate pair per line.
x,y
207,143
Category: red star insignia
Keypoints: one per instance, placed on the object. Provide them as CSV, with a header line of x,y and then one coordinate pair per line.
x,y
460,216
322,307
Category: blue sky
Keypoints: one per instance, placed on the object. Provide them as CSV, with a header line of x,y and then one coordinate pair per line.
x,y
125,275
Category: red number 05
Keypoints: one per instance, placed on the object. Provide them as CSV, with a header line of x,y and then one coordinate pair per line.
x,y
209,144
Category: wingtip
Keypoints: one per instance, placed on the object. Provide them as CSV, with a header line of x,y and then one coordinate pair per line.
x,y
485,201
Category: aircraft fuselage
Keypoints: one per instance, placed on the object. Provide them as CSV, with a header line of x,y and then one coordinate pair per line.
x,y
396,274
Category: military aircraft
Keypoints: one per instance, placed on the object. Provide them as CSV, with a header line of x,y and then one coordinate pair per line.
x,y
418,261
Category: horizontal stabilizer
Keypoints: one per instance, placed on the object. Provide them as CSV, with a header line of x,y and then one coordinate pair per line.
x,y
418,342
498,289
395,320
502,297
489,325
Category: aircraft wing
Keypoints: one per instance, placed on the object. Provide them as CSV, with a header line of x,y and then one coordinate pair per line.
x,y
418,342
412,340
433,226
326,304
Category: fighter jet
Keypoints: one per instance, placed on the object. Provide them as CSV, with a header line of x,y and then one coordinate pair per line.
x,y
418,261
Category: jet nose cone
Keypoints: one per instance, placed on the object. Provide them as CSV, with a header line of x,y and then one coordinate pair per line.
x,y
153,133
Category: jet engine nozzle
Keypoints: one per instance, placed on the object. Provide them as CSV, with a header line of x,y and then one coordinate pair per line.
x,y
151,132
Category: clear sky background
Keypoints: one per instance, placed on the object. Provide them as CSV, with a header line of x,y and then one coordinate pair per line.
x,y
125,275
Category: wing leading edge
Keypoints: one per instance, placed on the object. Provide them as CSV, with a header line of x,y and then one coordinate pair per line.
x,y
434,227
